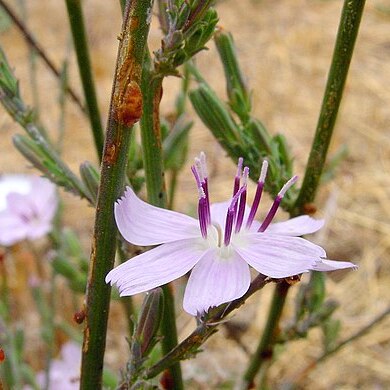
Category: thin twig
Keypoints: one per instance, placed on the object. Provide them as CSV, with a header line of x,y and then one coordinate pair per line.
x,y
39,50
361,332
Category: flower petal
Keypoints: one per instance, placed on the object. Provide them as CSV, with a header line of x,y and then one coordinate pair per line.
x,y
156,267
143,224
12,228
13,183
215,280
296,226
43,198
278,256
332,265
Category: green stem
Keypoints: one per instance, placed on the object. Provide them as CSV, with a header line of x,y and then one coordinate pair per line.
x,y
127,302
342,55
265,348
345,41
155,184
172,188
125,110
76,20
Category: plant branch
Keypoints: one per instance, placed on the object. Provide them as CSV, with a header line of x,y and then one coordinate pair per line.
x,y
345,42
155,184
265,348
190,346
125,110
39,50
76,20
361,332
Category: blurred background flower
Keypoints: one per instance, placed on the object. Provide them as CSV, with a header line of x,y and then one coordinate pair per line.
x,y
27,208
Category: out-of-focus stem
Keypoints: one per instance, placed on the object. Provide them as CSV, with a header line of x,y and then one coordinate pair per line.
x,y
361,332
265,348
125,110
33,42
342,55
345,41
76,20
155,184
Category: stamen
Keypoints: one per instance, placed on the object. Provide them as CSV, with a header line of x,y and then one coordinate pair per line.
x,y
202,158
231,213
198,165
196,175
201,167
259,192
238,176
203,207
275,205
241,208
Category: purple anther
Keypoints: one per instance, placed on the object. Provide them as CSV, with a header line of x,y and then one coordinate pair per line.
x,y
271,213
202,214
230,216
241,207
201,169
259,192
238,176
203,204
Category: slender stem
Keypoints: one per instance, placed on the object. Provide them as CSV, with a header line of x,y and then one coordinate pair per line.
x,y
33,42
264,351
32,59
125,110
172,188
127,302
361,332
345,41
155,184
342,55
76,20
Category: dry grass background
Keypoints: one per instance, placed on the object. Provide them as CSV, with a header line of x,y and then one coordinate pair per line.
x,y
285,49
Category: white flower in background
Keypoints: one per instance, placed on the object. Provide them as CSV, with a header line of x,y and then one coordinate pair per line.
x,y
27,207
64,372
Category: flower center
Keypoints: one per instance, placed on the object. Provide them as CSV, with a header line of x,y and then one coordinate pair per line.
x,y
236,210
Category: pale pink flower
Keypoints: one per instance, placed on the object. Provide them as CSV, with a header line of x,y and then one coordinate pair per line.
x,y
27,208
219,247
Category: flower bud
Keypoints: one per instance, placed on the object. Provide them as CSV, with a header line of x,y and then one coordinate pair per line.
x,y
237,91
149,320
215,115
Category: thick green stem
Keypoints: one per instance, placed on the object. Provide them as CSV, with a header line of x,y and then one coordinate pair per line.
x,y
342,55
265,348
345,41
125,110
76,21
155,184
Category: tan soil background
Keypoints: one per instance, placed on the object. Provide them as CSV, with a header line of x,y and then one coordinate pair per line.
x,y
285,49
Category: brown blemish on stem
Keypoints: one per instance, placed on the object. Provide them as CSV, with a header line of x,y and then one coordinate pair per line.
x,y
129,109
86,339
110,154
